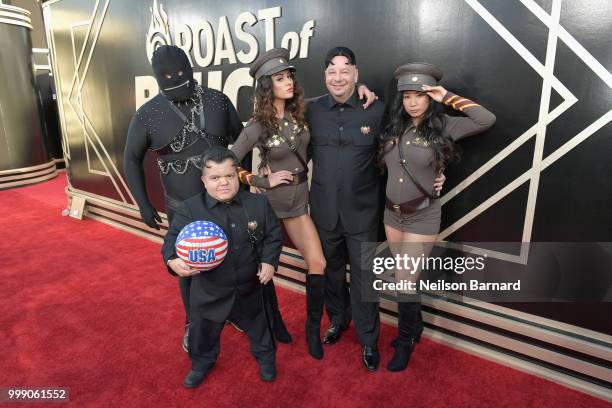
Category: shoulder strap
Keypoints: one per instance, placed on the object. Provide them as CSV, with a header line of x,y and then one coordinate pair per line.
x,y
404,164
293,149
177,111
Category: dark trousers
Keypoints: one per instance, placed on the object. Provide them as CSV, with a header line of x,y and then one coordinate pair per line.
x,y
204,335
339,302
184,283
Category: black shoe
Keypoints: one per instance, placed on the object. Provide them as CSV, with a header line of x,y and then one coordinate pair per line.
x,y
194,378
401,357
371,358
267,372
333,334
186,339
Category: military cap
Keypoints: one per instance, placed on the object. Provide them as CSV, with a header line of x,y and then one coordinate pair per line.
x,y
273,61
411,76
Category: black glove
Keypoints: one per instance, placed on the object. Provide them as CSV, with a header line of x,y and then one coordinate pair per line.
x,y
149,216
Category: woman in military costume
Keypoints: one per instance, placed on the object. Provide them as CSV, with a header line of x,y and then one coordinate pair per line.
x,y
416,146
278,128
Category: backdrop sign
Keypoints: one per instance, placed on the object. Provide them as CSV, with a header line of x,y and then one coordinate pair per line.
x,y
539,175
227,43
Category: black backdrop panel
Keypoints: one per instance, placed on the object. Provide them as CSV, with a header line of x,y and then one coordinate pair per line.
x,y
495,52
21,141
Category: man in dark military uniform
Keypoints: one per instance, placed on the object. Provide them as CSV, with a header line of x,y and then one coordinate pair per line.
x,y
344,196
233,290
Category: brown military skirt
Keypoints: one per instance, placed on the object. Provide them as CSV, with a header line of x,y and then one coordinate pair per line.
x,y
423,222
288,200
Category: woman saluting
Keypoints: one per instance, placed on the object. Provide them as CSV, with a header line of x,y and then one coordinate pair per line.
x,y
417,144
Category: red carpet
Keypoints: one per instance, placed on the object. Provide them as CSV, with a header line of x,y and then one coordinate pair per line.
x,y
91,308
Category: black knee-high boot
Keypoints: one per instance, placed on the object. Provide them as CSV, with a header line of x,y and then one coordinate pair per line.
x,y
315,295
418,330
280,330
409,330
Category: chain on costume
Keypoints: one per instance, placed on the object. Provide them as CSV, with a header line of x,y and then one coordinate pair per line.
x,y
179,166
189,134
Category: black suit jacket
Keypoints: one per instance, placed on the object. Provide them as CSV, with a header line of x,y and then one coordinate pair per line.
x,y
345,182
214,292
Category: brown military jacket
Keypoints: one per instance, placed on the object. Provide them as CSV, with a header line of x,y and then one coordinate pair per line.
x,y
420,156
286,200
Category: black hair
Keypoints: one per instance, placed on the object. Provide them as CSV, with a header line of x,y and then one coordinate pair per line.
x,y
342,52
430,128
218,154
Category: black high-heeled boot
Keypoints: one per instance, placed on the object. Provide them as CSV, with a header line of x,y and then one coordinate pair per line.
x,y
281,333
419,331
409,329
315,288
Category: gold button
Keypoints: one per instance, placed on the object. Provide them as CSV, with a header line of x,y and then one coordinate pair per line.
x,y
286,123
401,180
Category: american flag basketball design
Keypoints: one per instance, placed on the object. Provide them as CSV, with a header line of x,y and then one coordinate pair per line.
x,y
202,245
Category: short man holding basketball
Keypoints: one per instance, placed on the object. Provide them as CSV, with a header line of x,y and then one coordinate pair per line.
x,y
232,290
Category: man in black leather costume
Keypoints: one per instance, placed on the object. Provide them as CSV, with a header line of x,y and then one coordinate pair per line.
x,y
180,124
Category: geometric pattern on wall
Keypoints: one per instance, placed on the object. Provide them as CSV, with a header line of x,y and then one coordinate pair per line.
x,y
555,33
91,140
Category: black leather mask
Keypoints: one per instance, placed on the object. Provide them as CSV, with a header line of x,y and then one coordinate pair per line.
x,y
173,72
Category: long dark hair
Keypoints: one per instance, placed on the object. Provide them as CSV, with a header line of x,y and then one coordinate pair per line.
x,y
265,113
430,129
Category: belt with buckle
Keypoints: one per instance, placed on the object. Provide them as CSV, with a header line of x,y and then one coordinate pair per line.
x,y
299,178
408,206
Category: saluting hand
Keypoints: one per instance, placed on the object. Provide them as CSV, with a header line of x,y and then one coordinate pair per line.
x,y
266,273
435,92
